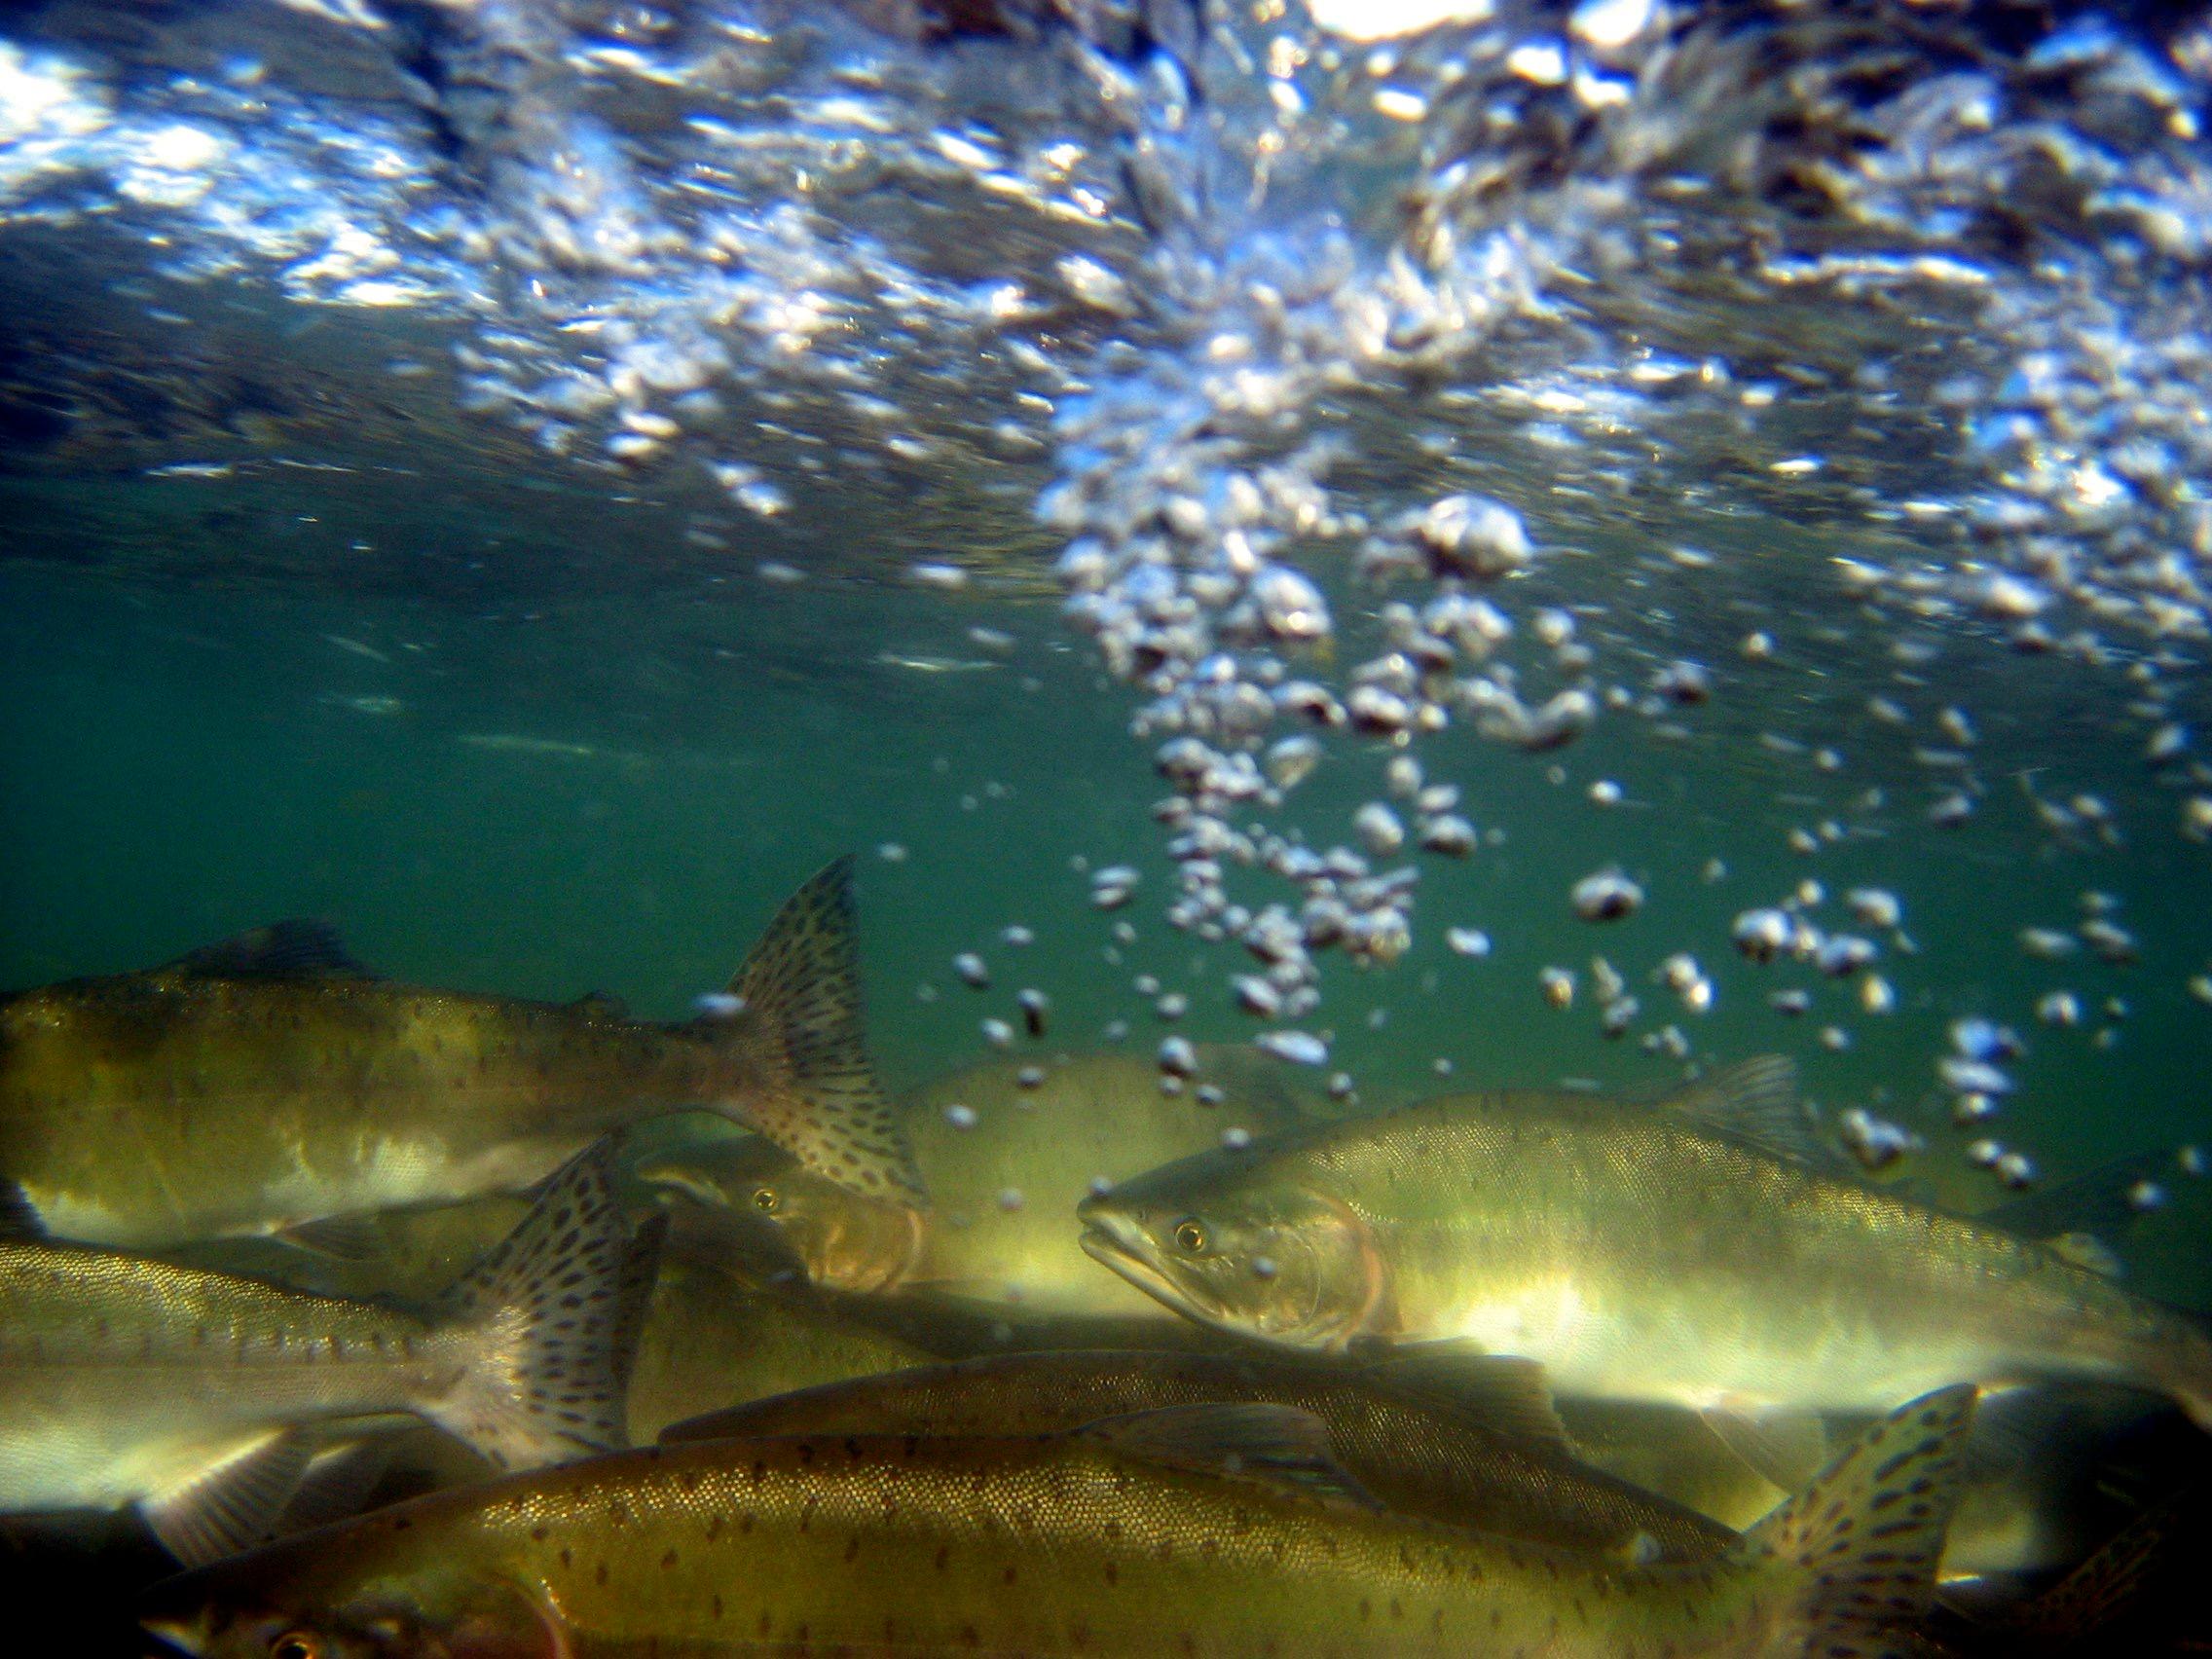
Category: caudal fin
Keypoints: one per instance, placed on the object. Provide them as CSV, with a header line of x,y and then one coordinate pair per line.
x,y
815,1092
1862,1541
548,1322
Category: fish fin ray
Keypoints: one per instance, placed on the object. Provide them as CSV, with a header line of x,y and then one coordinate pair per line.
x,y
1862,1542
1274,1445
1505,1393
295,949
353,1236
2088,1252
554,1308
800,991
234,1502
1783,1448
1756,1100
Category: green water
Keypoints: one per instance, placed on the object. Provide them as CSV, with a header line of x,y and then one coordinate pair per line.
x,y
610,795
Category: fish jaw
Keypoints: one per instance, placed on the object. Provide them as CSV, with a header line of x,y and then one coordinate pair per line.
x,y
1118,1243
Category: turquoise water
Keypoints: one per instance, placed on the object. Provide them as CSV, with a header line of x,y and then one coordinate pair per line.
x,y
611,795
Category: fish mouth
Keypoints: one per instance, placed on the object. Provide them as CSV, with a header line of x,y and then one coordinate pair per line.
x,y
1118,1243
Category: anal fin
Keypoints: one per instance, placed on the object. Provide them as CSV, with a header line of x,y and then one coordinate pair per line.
x,y
1505,1393
233,1504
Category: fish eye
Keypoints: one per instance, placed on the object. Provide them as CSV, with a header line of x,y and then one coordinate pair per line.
x,y
296,1644
1190,1236
764,1201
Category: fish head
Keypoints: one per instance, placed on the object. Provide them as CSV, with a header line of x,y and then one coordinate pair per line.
x,y
347,1592
1242,1247
759,1194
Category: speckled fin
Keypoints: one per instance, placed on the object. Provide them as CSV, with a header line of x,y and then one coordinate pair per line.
x,y
293,949
1756,1100
232,1504
1862,1541
555,1311
1277,1445
816,1094
2115,1578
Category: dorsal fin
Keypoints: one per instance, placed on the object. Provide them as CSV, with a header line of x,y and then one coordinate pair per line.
x,y
1756,1100
19,1220
600,1004
291,950
816,1094
1274,1444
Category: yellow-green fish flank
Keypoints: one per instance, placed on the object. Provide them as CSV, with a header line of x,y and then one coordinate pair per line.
x,y
190,1394
1129,1537
1479,1449
268,1083
1637,1253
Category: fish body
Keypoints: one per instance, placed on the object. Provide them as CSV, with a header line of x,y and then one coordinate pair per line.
x,y
711,1343
128,1381
1486,1456
709,1339
1212,1532
1637,1253
269,1083
1005,1166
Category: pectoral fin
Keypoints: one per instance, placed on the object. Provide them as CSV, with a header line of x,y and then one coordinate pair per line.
x,y
233,1504
354,1238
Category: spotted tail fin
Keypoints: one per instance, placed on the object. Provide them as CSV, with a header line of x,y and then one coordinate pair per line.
x,y
812,1089
548,1323
1862,1542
